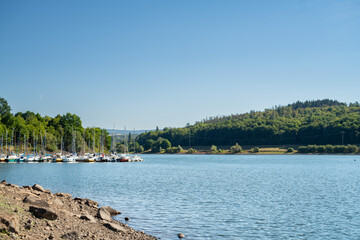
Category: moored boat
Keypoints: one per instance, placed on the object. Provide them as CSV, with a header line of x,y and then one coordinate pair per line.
x,y
11,158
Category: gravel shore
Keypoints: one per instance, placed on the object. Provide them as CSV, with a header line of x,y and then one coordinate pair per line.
x,y
36,213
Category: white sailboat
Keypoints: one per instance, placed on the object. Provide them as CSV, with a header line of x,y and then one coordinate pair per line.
x,y
73,156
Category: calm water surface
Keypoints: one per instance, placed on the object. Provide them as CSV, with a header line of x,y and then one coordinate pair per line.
x,y
216,197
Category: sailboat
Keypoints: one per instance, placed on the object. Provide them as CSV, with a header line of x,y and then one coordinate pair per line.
x,y
23,157
11,157
32,157
124,157
92,157
45,157
135,158
59,156
2,155
73,156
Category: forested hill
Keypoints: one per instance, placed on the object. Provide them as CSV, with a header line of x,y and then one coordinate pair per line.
x,y
310,122
30,129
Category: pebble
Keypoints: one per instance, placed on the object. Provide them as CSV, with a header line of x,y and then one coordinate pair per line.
x,y
181,235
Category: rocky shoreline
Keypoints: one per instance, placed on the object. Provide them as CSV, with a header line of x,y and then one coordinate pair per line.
x,y
36,213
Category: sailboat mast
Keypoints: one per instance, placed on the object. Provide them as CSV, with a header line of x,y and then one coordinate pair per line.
x,y
6,142
24,144
1,143
61,144
94,141
12,140
45,143
84,142
125,141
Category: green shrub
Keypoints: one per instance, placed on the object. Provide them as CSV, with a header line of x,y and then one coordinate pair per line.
x,y
340,149
180,148
290,150
256,149
140,149
213,149
191,150
352,148
311,148
329,148
236,148
302,149
320,149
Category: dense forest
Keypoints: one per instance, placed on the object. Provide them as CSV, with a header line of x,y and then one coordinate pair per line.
x,y
23,131
301,123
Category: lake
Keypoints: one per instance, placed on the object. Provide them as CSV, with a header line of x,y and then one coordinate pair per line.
x,y
216,196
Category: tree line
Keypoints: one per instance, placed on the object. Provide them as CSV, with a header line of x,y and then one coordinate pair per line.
x,y
29,128
318,122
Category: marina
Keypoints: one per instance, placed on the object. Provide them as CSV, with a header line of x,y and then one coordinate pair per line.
x,y
21,152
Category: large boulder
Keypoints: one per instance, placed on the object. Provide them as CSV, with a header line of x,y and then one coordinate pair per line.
x,y
36,201
88,217
71,236
112,211
9,223
46,213
114,227
103,214
58,202
37,187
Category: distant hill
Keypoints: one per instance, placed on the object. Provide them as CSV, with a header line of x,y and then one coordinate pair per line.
x,y
122,132
311,122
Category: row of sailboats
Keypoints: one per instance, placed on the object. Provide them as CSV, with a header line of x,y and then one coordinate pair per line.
x,y
7,151
7,155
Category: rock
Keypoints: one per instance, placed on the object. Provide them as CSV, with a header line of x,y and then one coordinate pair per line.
x,y
9,223
112,211
127,219
103,214
3,182
114,227
78,199
37,187
58,202
181,235
46,213
27,187
51,236
35,201
91,203
27,226
71,236
63,195
88,217
47,191
12,185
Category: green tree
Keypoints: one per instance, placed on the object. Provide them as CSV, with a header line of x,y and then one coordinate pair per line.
x,y
213,149
4,107
165,144
236,148
290,150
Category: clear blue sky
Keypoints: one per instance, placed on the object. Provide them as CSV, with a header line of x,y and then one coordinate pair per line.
x,y
166,63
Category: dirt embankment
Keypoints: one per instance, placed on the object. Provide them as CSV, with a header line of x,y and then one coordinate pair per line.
x,y
35,213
